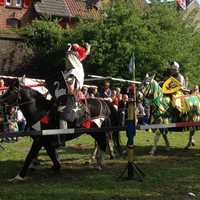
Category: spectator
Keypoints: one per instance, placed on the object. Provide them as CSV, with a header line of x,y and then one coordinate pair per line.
x,y
131,90
106,92
140,107
115,100
21,121
123,109
2,86
85,91
94,92
12,120
119,95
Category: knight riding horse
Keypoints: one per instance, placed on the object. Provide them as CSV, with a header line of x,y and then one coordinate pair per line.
x,y
36,108
73,78
72,108
170,104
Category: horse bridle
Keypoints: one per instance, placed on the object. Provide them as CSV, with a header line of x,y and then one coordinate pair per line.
x,y
19,98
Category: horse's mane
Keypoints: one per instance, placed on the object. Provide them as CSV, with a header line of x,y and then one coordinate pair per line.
x,y
37,96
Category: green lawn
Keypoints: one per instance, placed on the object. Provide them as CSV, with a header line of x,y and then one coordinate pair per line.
x,y
169,175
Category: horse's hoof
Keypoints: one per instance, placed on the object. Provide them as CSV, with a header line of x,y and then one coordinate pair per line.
x,y
56,168
32,167
193,144
99,168
36,162
87,162
112,157
17,178
168,149
124,152
152,153
186,148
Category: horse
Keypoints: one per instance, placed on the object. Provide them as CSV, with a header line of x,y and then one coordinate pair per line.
x,y
169,108
98,113
36,108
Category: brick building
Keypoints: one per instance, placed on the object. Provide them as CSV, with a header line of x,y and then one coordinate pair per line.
x,y
15,13
69,10
15,57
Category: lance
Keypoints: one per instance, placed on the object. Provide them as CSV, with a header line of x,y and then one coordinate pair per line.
x,y
96,77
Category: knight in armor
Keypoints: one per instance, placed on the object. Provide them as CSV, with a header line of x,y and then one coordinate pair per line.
x,y
74,73
74,79
174,72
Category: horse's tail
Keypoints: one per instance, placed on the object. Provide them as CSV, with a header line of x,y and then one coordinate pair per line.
x,y
115,121
114,117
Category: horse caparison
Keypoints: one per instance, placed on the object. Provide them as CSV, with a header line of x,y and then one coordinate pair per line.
x,y
167,109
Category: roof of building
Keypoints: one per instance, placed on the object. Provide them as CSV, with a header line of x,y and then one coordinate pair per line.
x,y
52,8
83,8
69,8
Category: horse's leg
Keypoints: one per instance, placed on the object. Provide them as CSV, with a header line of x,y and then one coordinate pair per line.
x,y
51,150
156,139
93,156
191,142
110,144
164,135
117,143
63,124
33,152
99,158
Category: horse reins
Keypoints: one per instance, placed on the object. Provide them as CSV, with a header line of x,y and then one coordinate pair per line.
x,y
17,90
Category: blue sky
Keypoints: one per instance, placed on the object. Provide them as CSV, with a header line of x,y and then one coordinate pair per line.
x,y
198,1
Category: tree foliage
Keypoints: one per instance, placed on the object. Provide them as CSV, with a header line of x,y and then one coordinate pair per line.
x,y
156,35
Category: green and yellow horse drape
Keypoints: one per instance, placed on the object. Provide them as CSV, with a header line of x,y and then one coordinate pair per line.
x,y
170,108
186,107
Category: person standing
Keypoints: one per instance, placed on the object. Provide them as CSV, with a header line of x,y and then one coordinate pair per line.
x,y
2,86
106,92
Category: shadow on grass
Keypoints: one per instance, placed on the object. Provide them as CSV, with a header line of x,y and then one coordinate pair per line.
x,y
164,180
161,151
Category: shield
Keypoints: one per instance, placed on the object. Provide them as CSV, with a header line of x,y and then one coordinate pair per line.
x,y
171,86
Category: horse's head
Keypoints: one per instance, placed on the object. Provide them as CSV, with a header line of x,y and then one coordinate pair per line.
x,y
147,86
151,89
12,95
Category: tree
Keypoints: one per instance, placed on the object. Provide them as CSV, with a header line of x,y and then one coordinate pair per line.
x,y
156,34
46,39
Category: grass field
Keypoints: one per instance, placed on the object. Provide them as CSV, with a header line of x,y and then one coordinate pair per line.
x,y
170,175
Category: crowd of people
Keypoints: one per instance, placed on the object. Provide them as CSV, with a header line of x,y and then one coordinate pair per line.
x,y
11,117
118,97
